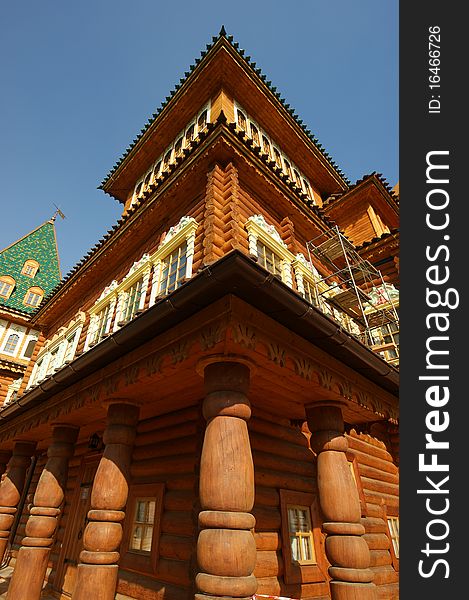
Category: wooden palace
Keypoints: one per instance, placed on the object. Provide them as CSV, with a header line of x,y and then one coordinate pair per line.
x,y
211,409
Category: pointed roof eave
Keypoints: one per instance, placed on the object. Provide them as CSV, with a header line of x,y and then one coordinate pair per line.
x,y
222,41
373,178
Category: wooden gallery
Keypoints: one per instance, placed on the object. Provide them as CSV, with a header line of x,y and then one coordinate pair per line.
x,y
210,410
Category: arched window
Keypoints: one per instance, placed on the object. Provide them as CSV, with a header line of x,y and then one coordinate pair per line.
x,y
255,135
30,268
147,180
11,343
7,285
202,120
178,147
33,296
190,134
266,145
241,117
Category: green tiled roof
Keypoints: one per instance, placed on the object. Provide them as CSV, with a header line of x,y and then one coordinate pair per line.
x,y
39,245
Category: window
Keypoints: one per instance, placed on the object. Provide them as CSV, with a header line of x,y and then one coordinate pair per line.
x,y
202,120
190,133
132,300
301,535
33,296
156,170
178,147
53,361
69,350
7,285
393,528
392,531
304,558
103,321
287,168
167,159
142,527
11,343
30,268
241,120
269,259
173,270
266,146
255,135
278,158
309,292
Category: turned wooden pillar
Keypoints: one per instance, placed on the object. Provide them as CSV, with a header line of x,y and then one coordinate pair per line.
x,y
11,487
226,550
346,549
33,556
97,571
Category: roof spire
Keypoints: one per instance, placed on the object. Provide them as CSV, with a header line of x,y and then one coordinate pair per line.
x,y
222,31
57,212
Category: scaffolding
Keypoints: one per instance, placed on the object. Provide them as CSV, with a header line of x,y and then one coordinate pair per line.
x,y
355,287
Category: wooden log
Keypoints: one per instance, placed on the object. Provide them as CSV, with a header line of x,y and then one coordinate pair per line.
x,y
165,465
384,575
167,434
178,500
376,497
379,558
378,450
373,524
366,471
388,592
269,563
373,461
176,547
177,523
382,487
265,443
168,420
377,541
279,432
268,540
266,496
187,445
267,519
374,509
280,480
271,461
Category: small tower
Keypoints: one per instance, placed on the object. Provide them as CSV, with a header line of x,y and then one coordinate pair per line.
x,y
29,271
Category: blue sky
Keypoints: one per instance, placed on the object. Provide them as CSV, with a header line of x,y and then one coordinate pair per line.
x,y
80,79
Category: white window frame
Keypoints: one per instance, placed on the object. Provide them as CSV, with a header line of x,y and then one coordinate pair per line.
x,y
58,343
148,266
17,330
259,230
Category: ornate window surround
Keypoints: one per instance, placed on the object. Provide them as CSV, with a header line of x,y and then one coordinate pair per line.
x,y
58,343
259,230
114,294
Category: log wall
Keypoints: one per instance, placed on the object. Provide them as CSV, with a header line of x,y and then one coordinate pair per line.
x,y
379,479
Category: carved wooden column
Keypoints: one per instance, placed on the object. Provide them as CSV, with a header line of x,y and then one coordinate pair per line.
x,y
226,551
44,516
11,487
346,549
97,572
